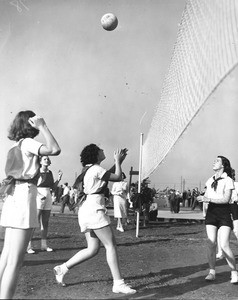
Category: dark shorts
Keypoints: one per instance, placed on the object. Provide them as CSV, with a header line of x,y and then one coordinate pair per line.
x,y
234,210
219,215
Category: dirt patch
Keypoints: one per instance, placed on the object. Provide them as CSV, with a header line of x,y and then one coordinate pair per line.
x,y
167,261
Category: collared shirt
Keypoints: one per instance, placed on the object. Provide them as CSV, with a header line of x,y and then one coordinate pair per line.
x,y
226,183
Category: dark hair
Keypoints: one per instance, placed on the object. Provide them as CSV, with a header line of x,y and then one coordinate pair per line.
x,y
233,172
21,128
226,165
89,154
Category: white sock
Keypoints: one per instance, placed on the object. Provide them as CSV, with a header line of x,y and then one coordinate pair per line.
x,y
212,271
29,246
118,282
64,268
234,272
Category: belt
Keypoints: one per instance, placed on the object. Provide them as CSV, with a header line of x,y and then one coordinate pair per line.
x,y
17,181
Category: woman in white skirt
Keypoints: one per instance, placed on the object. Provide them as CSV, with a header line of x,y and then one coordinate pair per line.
x,y
19,212
119,192
93,219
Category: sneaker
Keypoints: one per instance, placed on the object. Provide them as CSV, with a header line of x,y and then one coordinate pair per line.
x,y
120,229
234,278
30,251
48,249
123,288
59,276
210,277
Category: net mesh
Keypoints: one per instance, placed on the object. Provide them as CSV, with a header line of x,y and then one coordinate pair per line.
x,y
205,52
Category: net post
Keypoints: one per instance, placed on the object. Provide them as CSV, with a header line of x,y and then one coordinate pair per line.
x,y
139,183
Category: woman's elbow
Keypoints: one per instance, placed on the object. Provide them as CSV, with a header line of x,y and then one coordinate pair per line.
x,y
55,151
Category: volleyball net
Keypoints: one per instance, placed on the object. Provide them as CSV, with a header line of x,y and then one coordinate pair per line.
x,y
205,52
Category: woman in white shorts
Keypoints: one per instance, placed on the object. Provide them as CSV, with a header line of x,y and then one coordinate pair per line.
x,y
93,219
19,213
119,192
45,185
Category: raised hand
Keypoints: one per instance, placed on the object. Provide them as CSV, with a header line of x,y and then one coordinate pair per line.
x,y
36,121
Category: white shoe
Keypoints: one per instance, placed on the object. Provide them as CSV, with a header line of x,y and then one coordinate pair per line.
x,y
210,277
123,288
234,278
30,251
48,249
120,229
59,275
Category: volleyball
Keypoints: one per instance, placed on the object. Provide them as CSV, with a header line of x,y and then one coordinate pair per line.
x,y
109,21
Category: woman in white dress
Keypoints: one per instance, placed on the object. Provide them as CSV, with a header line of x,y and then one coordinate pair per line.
x,y
93,219
119,192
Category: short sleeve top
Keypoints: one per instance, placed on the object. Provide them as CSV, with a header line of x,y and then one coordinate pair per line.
x,y
119,188
27,166
30,153
93,179
226,183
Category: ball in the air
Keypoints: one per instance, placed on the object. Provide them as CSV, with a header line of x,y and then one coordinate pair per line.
x,y
109,21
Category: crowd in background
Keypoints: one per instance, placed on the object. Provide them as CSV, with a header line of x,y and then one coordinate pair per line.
x,y
187,198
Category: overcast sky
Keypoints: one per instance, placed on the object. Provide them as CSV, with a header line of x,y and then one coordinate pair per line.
x,y
95,86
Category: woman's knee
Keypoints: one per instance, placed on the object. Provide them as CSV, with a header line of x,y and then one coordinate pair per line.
x,y
93,249
211,244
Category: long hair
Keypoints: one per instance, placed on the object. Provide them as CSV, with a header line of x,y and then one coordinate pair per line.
x,y
21,128
226,165
233,174
89,154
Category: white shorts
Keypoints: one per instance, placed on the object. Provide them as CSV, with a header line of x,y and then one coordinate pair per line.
x,y
19,210
44,198
92,213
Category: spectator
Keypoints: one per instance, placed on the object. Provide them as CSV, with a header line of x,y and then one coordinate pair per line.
x,y
172,201
119,192
65,198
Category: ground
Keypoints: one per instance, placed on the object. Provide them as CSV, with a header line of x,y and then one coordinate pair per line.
x,y
167,261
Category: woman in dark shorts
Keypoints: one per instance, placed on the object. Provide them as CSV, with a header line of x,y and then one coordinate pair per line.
x,y
234,215
218,194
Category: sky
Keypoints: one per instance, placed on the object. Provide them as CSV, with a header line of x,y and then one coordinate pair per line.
x,y
95,86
